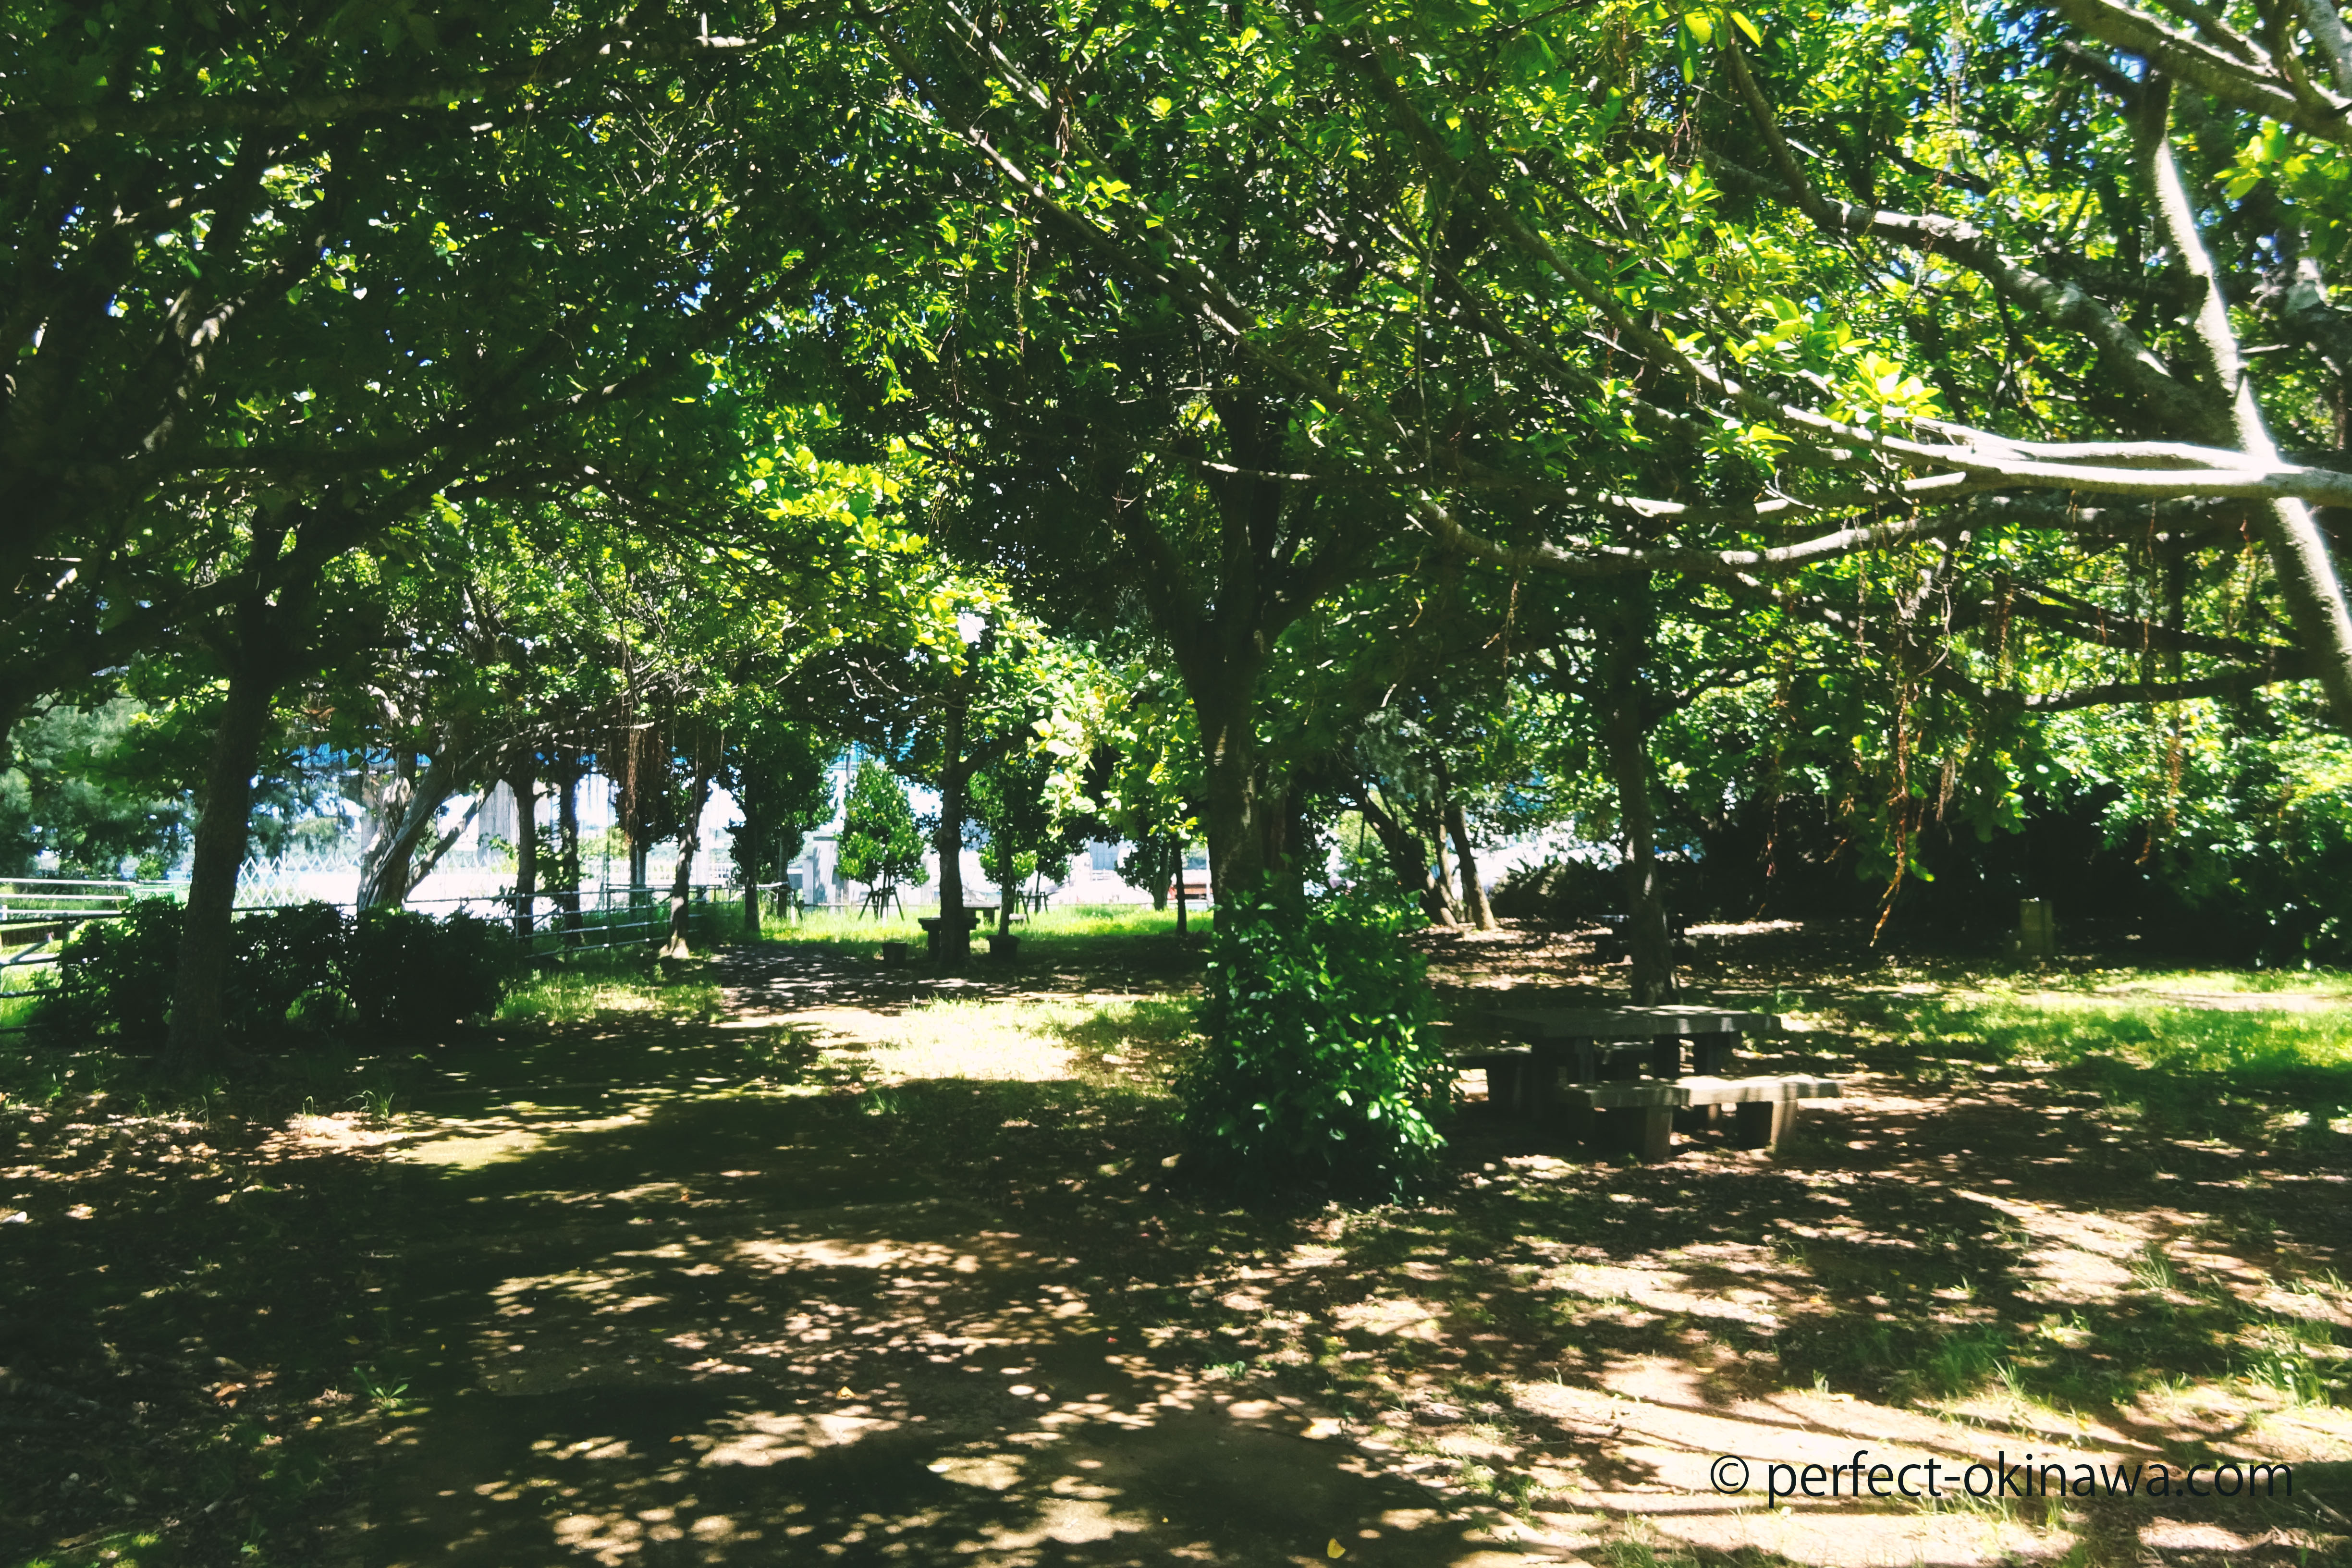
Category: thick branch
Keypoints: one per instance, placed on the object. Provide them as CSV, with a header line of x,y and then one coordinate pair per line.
x,y
245,111
2062,303
2179,55
2298,552
2236,683
2327,30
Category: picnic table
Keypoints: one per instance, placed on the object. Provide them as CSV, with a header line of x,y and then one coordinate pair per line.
x,y
1606,1052
930,926
1619,1042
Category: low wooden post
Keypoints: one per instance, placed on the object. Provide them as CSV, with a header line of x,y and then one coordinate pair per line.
x,y
2037,929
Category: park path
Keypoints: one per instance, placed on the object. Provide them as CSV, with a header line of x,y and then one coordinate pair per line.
x,y
672,1315
680,1323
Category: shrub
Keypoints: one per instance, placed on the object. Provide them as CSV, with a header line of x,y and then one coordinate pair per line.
x,y
278,956
114,977
1317,1064
408,971
307,968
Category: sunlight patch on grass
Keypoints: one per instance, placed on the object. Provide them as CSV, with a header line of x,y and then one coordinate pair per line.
x,y
974,1040
2197,1068
570,995
2286,985
1027,1040
845,928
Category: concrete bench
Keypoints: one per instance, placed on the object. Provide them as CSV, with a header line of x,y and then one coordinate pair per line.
x,y
1511,1081
930,925
1610,1043
1766,1107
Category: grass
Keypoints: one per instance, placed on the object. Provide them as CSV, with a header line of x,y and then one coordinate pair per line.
x,y
618,981
2332,984
2154,1062
2201,1069
17,984
1032,1039
1041,1120
1055,934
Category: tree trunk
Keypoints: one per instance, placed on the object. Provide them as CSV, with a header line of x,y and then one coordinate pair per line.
x,y
567,821
387,869
1474,893
223,828
639,853
2298,552
681,886
1434,823
953,943
1183,853
1003,870
1242,813
524,783
1408,855
1647,935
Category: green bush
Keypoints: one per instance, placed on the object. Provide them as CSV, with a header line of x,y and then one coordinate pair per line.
x,y
1317,1064
307,968
278,956
114,977
408,971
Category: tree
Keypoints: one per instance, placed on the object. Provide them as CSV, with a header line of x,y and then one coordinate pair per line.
x,y
88,789
880,845
775,770
1025,836
1152,863
356,268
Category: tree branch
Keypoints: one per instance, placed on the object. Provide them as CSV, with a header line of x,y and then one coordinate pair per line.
x,y
248,111
2179,55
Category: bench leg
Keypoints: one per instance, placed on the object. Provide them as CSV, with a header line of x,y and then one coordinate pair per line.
x,y
1711,1054
1543,1086
1645,1132
1666,1055
1763,1122
1657,1134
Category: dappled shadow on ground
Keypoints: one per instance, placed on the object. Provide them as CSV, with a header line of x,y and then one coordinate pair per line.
x,y
651,1292
738,1326
783,979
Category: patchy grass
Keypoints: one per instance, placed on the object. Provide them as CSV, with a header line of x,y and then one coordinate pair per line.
x,y
602,983
1075,933
2182,1052
890,1262
18,984
1033,1040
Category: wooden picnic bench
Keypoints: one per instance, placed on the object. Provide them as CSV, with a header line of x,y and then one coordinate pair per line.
x,y
1607,1050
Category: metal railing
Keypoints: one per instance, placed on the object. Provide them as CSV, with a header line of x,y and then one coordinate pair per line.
x,y
556,928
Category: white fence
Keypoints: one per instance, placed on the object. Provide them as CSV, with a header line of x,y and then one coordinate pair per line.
x,y
36,913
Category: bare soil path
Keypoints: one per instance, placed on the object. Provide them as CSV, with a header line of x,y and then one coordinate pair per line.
x,y
867,1267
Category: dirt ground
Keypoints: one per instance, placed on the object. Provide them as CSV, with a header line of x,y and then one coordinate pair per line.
x,y
864,1266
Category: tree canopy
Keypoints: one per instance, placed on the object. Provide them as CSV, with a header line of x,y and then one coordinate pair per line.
x,y
1748,440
